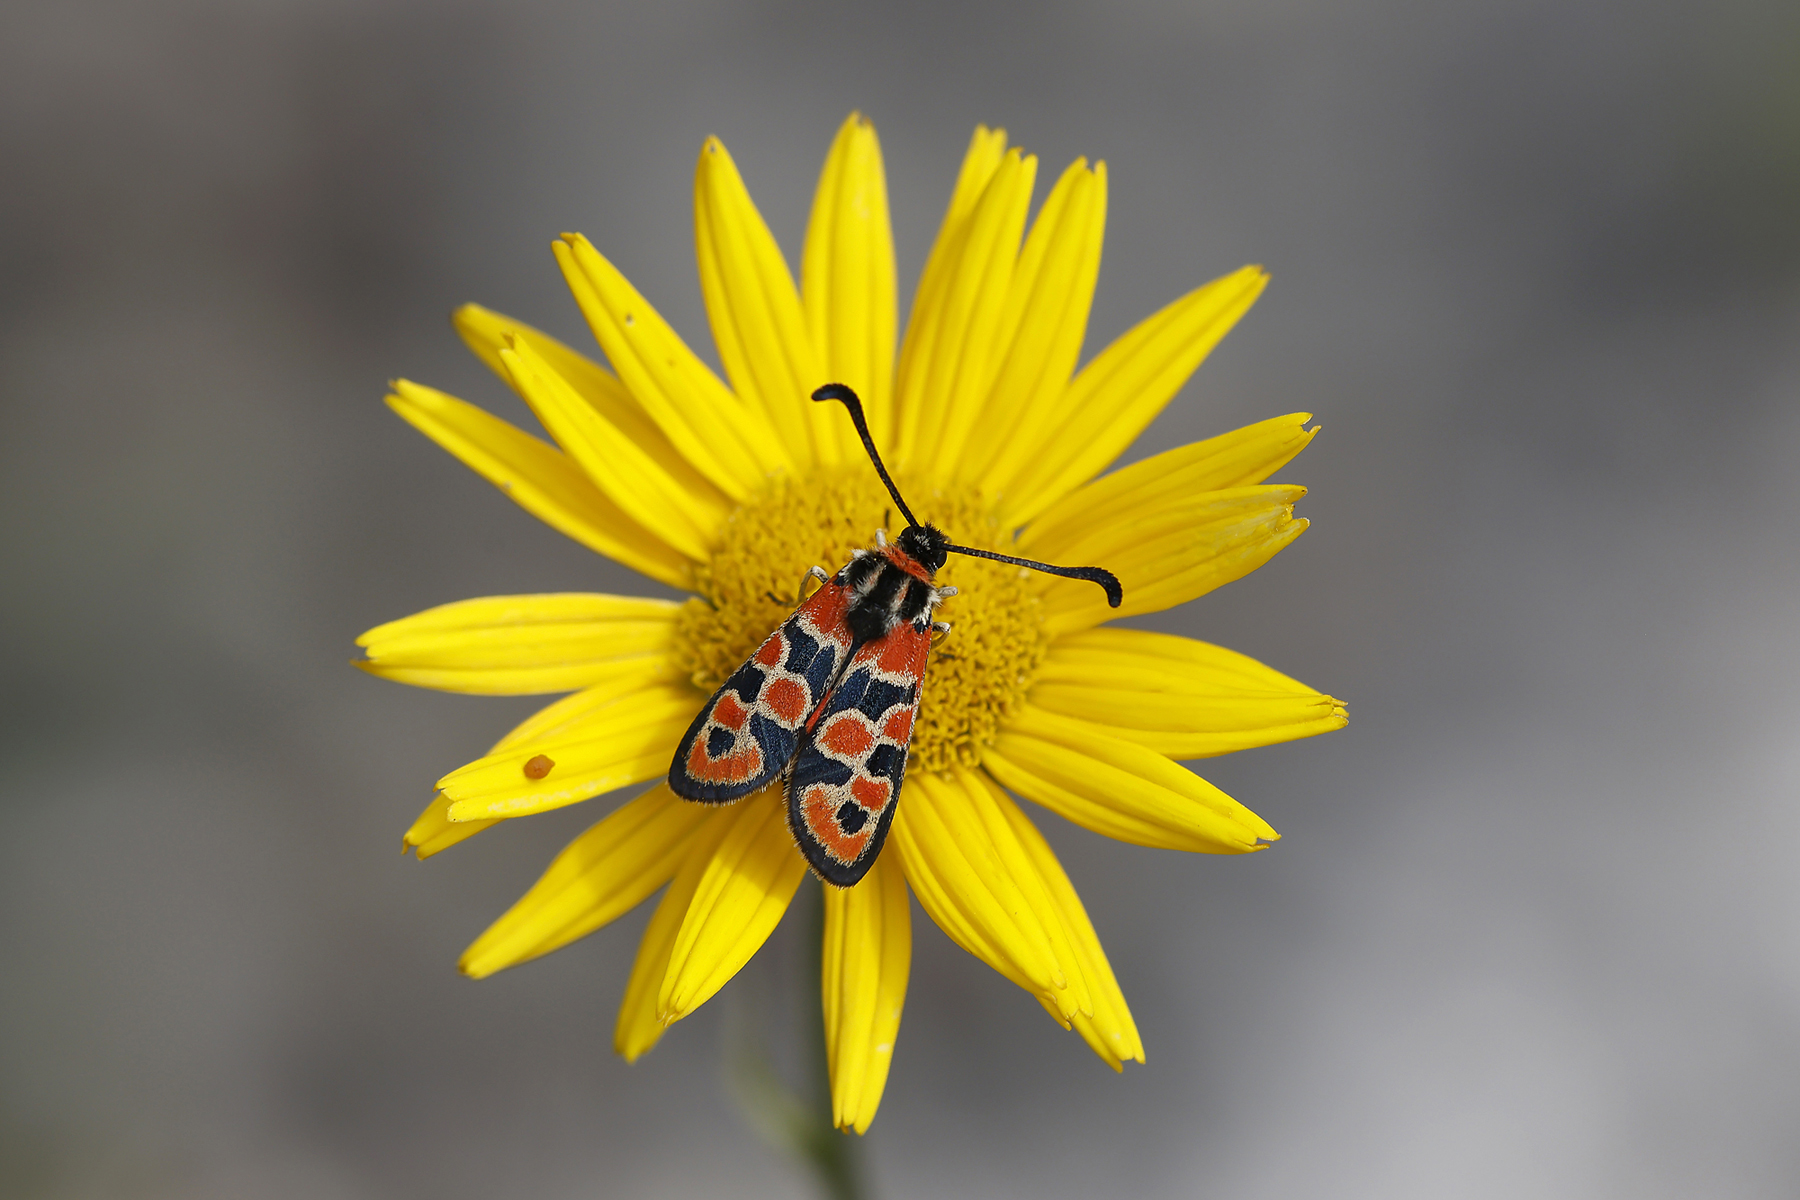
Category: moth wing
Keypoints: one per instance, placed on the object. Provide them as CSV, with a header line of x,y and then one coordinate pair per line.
x,y
846,780
745,735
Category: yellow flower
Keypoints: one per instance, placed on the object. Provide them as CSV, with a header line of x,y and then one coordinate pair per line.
x,y
732,491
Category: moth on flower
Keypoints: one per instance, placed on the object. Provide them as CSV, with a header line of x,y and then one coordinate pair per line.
x,y
827,701
726,485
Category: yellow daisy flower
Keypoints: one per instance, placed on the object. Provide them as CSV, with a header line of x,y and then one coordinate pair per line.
x,y
731,491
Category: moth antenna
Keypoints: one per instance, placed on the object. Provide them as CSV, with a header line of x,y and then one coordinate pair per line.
x,y
848,398
1115,595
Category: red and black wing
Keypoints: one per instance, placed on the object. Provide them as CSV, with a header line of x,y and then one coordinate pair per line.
x,y
746,734
846,780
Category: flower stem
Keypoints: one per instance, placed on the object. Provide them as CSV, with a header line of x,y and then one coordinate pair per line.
x,y
800,1126
835,1153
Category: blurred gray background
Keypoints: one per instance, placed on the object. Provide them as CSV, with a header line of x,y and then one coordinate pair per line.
x,y
1534,928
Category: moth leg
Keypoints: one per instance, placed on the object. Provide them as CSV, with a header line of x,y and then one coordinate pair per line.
x,y
800,594
944,593
940,630
881,539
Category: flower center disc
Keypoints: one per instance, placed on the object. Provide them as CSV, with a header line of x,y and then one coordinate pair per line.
x,y
975,676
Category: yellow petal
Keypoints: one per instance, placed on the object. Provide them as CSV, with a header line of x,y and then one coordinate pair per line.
x,y
1238,459
1179,697
1115,396
986,150
1043,326
638,1028
867,955
433,832
540,479
739,901
755,312
655,499
731,443
623,741
488,333
1117,788
945,382
1109,1030
974,879
1168,555
514,645
847,279
601,875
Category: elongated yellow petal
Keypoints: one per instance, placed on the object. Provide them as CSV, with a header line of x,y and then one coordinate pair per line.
x,y
1166,556
1115,396
986,150
867,956
754,308
601,875
655,499
514,645
1179,697
435,832
1043,326
1118,788
1238,459
739,901
847,283
947,381
540,479
488,332
730,443
619,743
973,878
1109,1029
638,1028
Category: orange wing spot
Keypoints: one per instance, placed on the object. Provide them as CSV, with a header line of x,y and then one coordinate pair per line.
x,y
729,713
848,736
900,651
872,794
786,699
735,767
772,650
821,822
898,727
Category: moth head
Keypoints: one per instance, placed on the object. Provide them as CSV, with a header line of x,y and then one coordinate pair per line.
x,y
925,545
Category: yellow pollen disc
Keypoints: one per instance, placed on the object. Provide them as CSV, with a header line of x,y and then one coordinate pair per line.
x,y
975,676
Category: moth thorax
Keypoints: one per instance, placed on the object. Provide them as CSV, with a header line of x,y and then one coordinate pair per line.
x,y
882,596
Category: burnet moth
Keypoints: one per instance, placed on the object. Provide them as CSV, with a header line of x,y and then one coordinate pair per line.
x,y
827,701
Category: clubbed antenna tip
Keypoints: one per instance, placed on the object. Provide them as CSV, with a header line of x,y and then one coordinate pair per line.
x,y
1109,583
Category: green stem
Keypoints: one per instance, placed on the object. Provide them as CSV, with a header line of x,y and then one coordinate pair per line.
x,y
800,1126
834,1154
